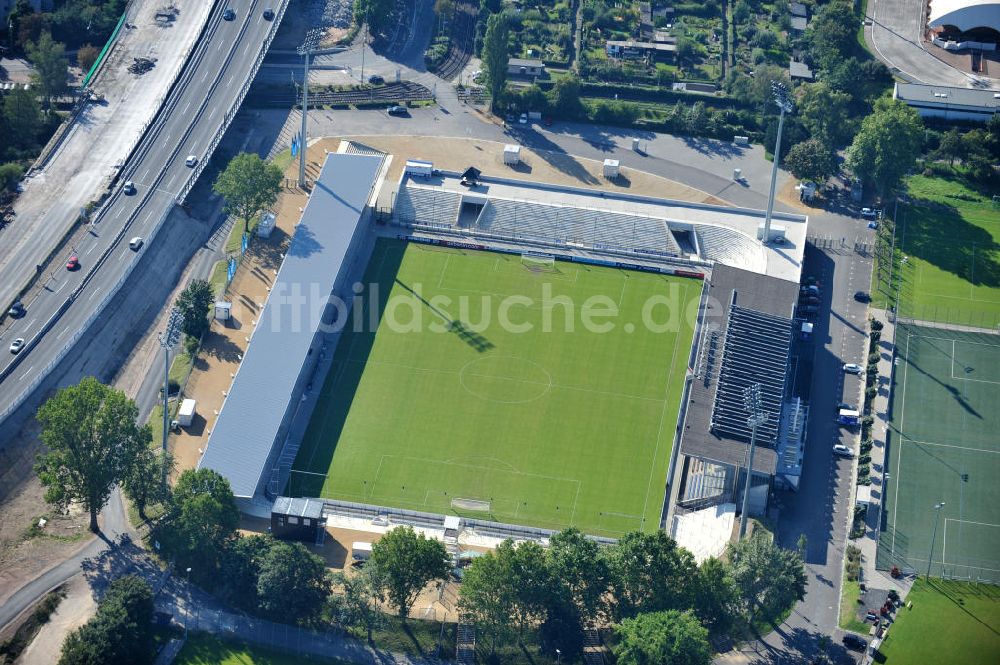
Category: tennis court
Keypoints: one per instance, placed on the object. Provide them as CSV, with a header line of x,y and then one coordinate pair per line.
x,y
944,449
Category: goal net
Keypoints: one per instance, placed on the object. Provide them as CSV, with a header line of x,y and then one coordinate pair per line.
x,y
538,262
471,504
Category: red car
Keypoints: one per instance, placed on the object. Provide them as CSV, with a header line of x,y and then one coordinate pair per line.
x,y
73,263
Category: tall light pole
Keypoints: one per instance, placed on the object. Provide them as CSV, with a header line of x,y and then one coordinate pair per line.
x,y
751,400
168,339
187,609
312,40
784,105
937,516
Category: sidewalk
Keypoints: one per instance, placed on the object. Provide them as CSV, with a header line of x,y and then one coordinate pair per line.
x,y
879,579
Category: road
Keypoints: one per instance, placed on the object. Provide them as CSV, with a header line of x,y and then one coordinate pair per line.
x,y
895,37
210,83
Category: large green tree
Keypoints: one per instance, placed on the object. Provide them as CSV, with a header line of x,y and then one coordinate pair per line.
x,y
716,600
143,480
357,603
832,32
662,637
576,562
239,568
887,145
564,98
24,117
488,599
194,303
825,113
406,562
649,573
51,66
91,441
249,185
495,55
375,12
293,584
121,633
811,160
769,578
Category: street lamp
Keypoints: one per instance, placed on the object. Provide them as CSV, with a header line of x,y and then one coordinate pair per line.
x,y
312,40
937,516
187,608
168,339
784,105
751,401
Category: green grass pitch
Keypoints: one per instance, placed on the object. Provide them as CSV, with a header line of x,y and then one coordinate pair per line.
x,y
944,448
562,425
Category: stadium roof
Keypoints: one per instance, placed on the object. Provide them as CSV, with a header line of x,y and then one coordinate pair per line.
x,y
965,15
763,306
262,392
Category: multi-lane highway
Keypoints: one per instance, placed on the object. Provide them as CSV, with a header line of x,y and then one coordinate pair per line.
x,y
200,107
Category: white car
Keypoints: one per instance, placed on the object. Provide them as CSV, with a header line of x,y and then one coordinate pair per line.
x,y
17,345
135,244
853,368
524,119
191,160
842,450
870,213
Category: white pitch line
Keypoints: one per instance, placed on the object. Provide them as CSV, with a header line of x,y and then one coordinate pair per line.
x,y
27,372
92,294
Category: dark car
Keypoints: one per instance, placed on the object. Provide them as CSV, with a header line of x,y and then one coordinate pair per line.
x,y
229,14
861,296
375,79
844,405
268,14
809,299
808,309
854,642
16,310
397,111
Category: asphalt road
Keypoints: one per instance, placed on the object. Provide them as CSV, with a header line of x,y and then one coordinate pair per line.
x,y
192,116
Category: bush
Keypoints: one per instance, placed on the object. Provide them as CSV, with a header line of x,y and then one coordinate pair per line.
x,y
10,174
877,325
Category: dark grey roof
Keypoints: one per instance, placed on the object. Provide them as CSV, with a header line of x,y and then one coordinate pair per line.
x,y
284,505
756,297
797,9
939,95
799,70
800,23
525,62
262,391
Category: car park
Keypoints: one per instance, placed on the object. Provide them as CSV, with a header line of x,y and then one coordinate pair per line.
x,y
397,111
129,188
135,244
862,296
73,263
16,310
853,368
229,14
375,79
191,160
268,14
842,450
852,641
17,345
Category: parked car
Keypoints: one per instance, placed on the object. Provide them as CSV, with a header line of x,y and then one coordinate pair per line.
x,y
375,79
862,296
869,213
844,405
17,345
523,119
397,111
229,14
129,188
135,244
852,641
16,310
268,14
842,450
853,368
191,160
808,309
812,280
811,289
809,299
73,263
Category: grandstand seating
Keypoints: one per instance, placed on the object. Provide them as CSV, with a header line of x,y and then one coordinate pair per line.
x,y
719,243
435,207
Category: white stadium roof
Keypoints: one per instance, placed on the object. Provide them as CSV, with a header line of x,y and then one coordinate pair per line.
x,y
965,15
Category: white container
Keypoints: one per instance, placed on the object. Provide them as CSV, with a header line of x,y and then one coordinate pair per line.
x,y
512,154
419,168
611,168
186,413
361,551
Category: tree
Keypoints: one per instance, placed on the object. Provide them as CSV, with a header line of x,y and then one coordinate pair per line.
x,y
686,49
91,440
51,67
359,603
531,582
375,13
564,98
239,568
23,115
488,597
203,519
825,113
662,637
716,601
249,185
86,56
831,32
649,573
495,55
143,480
293,584
194,303
811,160
120,633
887,145
10,175
769,579
405,563
576,562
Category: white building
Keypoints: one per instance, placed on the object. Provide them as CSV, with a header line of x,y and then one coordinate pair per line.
x,y
932,101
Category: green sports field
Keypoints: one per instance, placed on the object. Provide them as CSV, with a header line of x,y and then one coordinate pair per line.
x,y
944,448
485,380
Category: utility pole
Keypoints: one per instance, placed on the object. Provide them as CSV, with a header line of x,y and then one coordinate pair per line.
x,y
751,400
784,105
364,45
312,40
937,516
168,339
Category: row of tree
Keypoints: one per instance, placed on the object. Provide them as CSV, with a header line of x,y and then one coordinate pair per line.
x,y
77,23
120,633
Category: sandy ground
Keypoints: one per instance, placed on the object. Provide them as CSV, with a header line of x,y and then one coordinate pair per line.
x,y
74,611
101,138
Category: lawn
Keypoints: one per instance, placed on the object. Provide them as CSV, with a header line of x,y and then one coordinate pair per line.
x,y
204,649
951,622
559,425
849,595
948,258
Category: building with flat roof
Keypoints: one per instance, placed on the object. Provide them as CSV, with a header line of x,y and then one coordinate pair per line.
x,y
946,103
525,67
330,246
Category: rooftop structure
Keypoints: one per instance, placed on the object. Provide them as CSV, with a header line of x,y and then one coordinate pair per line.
x,y
936,101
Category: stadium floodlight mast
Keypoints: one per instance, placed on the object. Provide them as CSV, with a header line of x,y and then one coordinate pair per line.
x,y
751,400
168,339
937,515
784,105
309,44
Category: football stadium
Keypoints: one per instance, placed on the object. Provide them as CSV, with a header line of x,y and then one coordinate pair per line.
x,y
511,356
